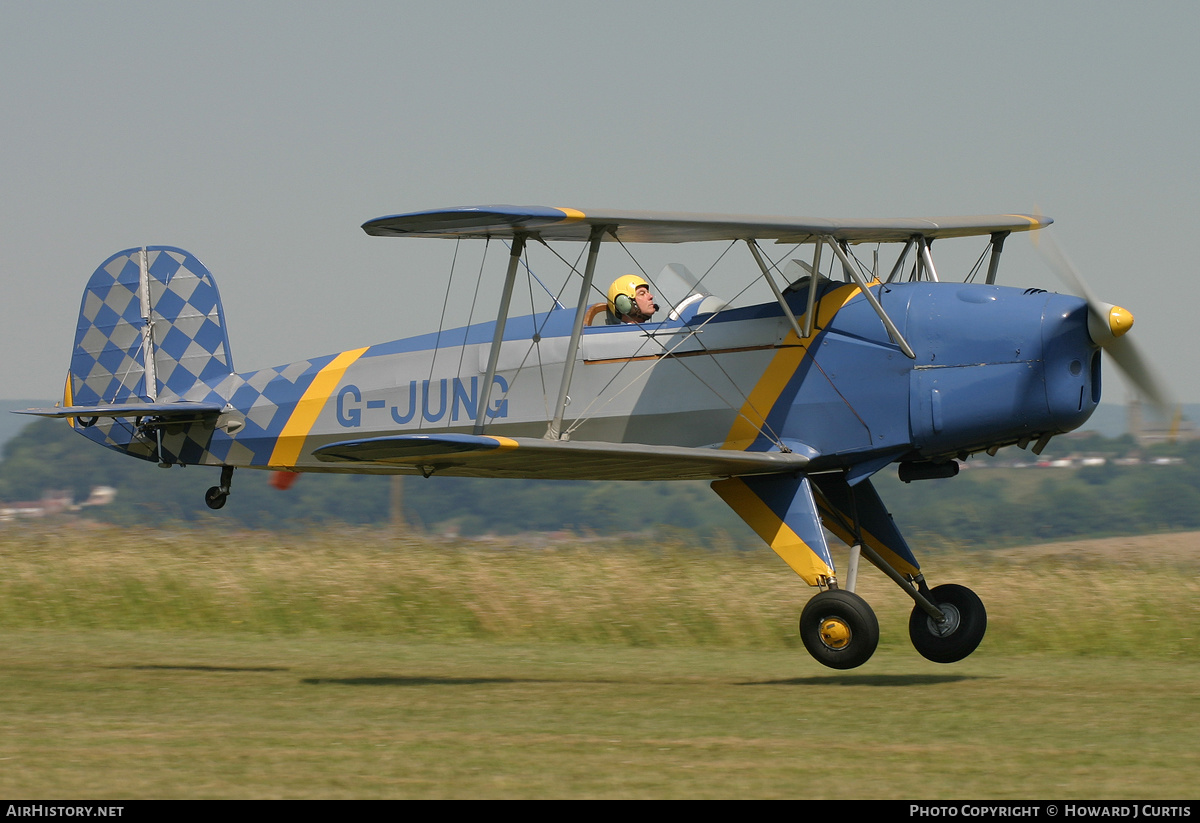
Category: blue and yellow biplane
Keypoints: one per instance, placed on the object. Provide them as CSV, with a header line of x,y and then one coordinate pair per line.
x,y
789,406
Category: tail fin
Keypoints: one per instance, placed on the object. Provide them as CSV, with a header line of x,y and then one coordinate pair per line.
x,y
150,328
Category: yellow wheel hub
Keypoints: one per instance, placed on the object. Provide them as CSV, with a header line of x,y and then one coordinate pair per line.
x,y
835,633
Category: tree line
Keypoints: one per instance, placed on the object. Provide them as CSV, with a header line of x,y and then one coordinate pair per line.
x,y
986,505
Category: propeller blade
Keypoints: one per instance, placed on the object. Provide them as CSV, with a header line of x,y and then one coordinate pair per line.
x,y
1129,360
1120,348
1061,266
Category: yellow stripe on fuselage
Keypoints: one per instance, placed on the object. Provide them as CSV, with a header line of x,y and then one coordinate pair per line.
x,y
290,442
752,418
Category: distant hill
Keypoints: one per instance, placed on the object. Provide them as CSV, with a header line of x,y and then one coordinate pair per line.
x,y
47,456
1121,488
11,424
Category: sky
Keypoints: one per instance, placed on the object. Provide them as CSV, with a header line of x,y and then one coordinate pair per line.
x,y
260,136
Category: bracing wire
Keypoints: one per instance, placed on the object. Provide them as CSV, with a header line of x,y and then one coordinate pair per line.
x,y
437,340
970,278
763,428
471,313
540,327
529,274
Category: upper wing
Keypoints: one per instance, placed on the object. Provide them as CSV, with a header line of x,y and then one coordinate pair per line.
x,y
681,227
468,455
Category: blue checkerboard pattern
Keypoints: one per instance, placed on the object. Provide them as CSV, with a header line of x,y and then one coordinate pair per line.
x,y
186,329
263,399
186,332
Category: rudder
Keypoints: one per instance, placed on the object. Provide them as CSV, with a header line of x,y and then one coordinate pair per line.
x,y
150,328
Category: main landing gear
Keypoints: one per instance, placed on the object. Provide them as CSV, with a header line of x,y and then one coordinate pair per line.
x,y
958,633
793,512
841,631
216,495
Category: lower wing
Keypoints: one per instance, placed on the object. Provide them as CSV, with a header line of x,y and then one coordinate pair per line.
x,y
466,455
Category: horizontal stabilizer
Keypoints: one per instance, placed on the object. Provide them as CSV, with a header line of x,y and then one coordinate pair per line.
x,y
466,455
163,410
550,223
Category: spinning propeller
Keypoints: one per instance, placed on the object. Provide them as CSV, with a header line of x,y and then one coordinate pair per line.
x,y
1107,325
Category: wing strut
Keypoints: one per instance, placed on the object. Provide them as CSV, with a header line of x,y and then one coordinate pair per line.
x,y
872,299
900,260
554,430
927,259
994,263
518,248
787,310
810,314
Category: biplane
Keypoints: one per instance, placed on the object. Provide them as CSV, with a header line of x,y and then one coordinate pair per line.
x,y
788,405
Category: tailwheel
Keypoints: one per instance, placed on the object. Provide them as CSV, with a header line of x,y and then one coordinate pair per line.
x,y
216,496
839,629
958,634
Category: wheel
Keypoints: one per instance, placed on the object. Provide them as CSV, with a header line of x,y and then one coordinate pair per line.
x,y
215,498
959,634
839,629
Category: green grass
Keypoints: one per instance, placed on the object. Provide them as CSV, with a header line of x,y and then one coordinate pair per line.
x,y
366,583
181,715
155,664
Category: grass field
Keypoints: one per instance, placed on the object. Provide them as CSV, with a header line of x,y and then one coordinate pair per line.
x,y
355,665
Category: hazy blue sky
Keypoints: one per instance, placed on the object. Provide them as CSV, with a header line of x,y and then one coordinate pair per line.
x,y
260,135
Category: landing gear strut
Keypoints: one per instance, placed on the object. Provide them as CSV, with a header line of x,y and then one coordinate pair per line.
x,y
216,495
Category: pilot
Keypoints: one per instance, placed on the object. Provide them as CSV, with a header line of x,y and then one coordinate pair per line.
x,y
630,300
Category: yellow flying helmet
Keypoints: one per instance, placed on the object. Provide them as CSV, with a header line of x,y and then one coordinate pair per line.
x,y
621,293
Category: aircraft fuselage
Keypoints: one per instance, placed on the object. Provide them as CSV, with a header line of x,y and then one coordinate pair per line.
x,y
994,365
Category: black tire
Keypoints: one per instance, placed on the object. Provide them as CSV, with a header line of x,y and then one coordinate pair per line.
x,y
839,629
215,498
961,633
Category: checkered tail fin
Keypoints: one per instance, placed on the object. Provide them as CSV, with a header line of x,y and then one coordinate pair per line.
x,y
150,328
